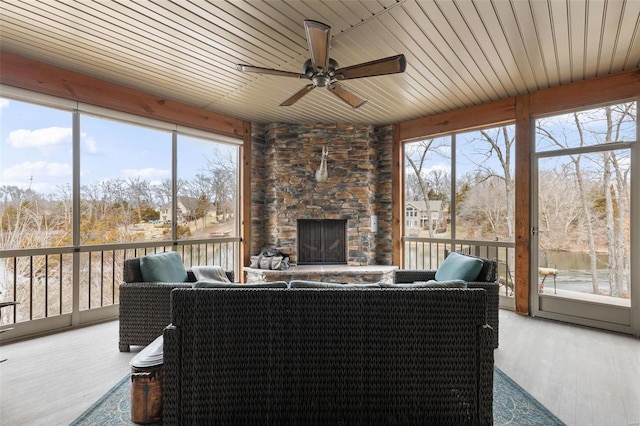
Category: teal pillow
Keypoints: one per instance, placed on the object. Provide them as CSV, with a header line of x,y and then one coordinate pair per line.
x,y
459,267
320,284
429,284
163,267
220,284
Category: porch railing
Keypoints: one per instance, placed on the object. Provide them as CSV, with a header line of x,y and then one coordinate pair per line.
x,y
53,282
429,253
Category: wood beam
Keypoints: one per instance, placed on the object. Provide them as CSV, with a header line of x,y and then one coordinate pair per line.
x,y
42,78
523,150
245,200
610,88
494,113
397,199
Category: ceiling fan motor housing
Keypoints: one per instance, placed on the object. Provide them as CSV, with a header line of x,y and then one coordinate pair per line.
x,y
319,77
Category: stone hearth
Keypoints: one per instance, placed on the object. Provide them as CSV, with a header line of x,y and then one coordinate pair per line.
x,y
326,273
284,160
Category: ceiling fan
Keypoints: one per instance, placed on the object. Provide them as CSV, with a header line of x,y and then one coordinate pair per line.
x,y
324,72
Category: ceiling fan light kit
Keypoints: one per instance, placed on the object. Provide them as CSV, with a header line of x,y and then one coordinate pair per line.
x,y
323,71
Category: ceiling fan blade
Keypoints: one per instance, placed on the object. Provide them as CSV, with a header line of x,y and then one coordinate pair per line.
x,y
319,39
298,95
347,95
260,70
390,65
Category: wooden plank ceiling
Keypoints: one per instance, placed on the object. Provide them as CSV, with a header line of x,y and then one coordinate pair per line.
x,y
459,52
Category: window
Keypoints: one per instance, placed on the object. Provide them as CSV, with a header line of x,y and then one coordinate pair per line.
x,y
428,183
477,218
485,169
118,169
125,176
207,188
35,207
35,176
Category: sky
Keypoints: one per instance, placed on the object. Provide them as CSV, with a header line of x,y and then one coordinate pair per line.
x,y
36,149
470,154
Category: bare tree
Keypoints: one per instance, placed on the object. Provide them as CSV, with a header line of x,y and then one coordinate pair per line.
x,y
418,155
221,169
484,205
560,209
491,146
616,190
605,173
139,195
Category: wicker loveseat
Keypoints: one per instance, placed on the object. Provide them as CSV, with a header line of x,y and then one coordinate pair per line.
x,y
486,279
352,356
145,307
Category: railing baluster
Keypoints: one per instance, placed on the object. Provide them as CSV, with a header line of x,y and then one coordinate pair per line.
x,y
60,284
46,285
113,277
31,288
89,279
101,278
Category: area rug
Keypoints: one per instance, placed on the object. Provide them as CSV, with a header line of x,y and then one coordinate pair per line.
x,y
512,405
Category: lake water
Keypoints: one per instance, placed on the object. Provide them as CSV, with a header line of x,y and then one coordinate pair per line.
x,y
574,271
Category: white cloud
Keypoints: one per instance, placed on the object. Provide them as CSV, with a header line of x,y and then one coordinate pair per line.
x,y
91,145
439,168
4,103
37,169
39,138
146,174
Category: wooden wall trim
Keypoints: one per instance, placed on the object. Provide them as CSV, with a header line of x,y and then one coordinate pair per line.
x,y
42,78
523,150
610,88
496,112
245,199
397,199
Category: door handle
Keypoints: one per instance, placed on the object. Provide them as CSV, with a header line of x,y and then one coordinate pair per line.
x,y
535,231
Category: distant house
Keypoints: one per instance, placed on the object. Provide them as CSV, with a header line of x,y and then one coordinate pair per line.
x,y
186,210
417,215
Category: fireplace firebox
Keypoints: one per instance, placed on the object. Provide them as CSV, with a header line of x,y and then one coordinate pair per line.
x,y
322,241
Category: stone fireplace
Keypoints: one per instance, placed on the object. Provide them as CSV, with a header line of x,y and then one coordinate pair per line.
x,y
285,191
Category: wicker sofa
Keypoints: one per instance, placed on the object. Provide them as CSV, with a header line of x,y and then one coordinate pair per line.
x,y
145,307
352,356
486,279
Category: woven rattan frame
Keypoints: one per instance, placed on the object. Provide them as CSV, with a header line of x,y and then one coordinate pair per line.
x,y
145,307
490,286
328,357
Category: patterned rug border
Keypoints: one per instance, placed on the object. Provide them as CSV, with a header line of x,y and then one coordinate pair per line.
x,y
538,405
98,404
509,409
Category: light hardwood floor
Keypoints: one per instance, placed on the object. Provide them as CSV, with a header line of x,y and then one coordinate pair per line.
x,y
584,376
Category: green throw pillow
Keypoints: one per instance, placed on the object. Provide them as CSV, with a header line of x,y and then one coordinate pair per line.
x,y
163,267
459,267
220,284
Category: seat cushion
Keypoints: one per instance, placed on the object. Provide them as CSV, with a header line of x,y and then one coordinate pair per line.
x,y
459,267
321,284
163,267
429,284
221,284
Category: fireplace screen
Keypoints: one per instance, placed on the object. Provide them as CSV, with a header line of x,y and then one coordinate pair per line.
x,y
322,241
